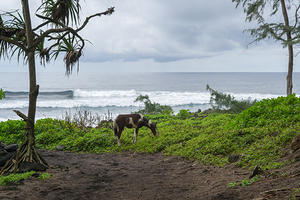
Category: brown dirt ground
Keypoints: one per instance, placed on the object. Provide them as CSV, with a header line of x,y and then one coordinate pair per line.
x,y
144,176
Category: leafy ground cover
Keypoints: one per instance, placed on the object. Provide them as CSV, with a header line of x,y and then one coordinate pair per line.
x,y
258,135
15,178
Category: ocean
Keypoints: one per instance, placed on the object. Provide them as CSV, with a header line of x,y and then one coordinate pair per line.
x,y
103,93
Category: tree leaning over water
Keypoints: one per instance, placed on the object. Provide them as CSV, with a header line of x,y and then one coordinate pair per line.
x,y
59,31
286,31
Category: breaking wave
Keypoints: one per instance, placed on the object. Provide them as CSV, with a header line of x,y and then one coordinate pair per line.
x,y
121,98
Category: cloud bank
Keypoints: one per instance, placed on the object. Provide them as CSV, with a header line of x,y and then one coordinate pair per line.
x,y
170,35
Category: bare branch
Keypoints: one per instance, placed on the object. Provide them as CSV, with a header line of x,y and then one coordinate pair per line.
x,y
58,40
297,37
65,28
48,32
20,114
296,17
276,36
41,25
108,12
49,20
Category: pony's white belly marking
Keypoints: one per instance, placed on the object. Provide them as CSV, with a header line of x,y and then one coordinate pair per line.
x,y
142,117
131,122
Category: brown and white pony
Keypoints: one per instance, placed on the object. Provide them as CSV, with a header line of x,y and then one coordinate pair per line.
x,y
135,121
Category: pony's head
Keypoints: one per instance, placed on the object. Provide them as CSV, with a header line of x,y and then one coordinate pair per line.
x,y
153,127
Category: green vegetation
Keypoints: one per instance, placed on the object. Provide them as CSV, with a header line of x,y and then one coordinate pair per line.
x,y
220,101
233,184
296,192
184,114
44,176
58,32
258,134
277,20
152,108
2,94
15,178
12,131
245,182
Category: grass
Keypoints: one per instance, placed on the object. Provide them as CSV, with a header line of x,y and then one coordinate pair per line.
x,y
295,194
15,178
44,176
259,134
245,182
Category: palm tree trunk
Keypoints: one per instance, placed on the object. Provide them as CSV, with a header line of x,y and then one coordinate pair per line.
x,y
27,151
289,77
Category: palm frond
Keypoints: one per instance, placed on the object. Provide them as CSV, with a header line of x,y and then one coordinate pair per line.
x,y
13,27
43,53
71,58
64,11
4,49
73,51
20,54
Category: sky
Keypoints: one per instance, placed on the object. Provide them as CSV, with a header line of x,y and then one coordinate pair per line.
x,y
166,36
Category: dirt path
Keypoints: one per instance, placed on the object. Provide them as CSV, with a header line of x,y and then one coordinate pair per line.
x,y
140,176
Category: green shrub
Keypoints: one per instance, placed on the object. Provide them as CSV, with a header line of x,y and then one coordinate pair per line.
x,y
221,101
12,131
50,139
184,114
152,107
281,112
94,141
2,94
257,134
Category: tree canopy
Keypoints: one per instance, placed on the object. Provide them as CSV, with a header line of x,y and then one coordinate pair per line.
x,y
57,33
270,25
284,27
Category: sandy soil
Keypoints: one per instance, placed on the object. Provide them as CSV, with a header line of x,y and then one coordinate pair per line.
x,y
132,176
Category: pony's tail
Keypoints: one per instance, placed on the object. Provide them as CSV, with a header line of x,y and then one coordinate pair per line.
x,y
115,129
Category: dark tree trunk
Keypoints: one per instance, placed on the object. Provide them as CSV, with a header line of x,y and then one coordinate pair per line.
x,y
289,77
27,151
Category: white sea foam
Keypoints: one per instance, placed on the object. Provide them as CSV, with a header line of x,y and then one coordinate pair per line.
x,y
108,94
123,98
3,119
253,96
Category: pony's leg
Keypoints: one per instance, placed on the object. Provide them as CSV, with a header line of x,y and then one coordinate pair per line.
x,y
135,135
119,136
119,142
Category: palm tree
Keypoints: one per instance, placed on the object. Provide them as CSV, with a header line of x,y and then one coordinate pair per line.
x,y
60,28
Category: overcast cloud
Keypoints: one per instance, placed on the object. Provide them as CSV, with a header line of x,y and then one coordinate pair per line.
x,y
169,35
